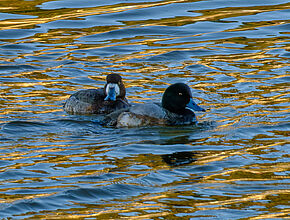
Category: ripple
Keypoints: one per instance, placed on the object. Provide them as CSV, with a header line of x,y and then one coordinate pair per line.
x,y
232,165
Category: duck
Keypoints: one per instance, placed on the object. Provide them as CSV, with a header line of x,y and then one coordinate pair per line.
x,y
99,101
177,108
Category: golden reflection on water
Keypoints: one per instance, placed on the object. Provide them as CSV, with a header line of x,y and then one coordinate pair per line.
x,y
44,16
48,85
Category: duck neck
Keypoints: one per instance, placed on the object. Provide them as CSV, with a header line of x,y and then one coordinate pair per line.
x,y
188,117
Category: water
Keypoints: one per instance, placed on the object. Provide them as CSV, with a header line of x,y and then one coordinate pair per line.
x,y
233,165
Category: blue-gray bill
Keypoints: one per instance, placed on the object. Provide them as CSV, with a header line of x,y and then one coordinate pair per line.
x,y
111,96
193,106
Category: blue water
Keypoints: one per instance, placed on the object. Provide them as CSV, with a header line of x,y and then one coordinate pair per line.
x,y
233,165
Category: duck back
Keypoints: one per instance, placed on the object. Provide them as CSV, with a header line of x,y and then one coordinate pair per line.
x,y
87,101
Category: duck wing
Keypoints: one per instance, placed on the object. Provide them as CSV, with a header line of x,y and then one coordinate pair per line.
x,y
90,96
88,101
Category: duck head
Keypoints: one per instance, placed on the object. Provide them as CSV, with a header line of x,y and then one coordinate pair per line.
x,y
177,98
114,87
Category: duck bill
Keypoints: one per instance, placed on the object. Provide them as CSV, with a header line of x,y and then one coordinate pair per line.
x,y
193,106
111,94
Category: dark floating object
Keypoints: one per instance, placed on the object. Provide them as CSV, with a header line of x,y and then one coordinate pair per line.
x,y
177,108
99,101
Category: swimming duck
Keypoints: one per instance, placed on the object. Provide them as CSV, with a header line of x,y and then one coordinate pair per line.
x,y
177,108
99,101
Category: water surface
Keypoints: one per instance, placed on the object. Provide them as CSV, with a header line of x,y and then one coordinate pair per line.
x,y
233,54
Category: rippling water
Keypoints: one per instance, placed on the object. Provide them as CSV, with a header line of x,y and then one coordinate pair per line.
x,y
233,54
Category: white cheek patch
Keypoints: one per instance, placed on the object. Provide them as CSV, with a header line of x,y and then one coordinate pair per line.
x,y
115,86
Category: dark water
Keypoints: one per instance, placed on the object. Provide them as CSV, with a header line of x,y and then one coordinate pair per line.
x,y
233,54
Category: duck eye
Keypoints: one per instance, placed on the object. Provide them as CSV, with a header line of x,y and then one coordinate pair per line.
x,y
180,93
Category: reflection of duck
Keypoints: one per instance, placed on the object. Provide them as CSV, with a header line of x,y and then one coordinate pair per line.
x,y
98,101
176,109
179,158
